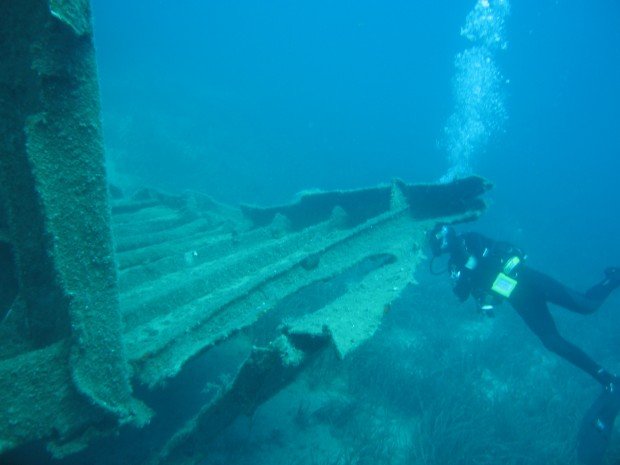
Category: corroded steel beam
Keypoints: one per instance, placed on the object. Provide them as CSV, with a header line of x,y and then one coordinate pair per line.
x,y
63,367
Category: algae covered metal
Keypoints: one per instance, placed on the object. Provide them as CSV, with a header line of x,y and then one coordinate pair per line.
x,y
63,366
99,292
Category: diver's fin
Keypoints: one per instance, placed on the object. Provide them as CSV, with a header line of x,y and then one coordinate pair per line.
x,y
596,428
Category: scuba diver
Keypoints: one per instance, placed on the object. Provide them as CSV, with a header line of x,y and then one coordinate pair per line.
x,y
492,272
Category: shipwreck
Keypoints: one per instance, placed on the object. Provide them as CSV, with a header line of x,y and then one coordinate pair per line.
x,y
104,296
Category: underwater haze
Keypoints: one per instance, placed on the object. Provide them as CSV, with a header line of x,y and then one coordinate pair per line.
x,y
253,102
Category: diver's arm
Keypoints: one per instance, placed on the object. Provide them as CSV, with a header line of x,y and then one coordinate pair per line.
x,y
461,282
465,261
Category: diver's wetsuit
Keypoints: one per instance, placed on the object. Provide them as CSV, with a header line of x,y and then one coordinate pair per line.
x,y
475,262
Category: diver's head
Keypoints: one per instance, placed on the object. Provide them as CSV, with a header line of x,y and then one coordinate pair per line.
x,y
441,239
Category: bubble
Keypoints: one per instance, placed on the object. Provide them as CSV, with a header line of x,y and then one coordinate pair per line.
x,y
479,109
486,23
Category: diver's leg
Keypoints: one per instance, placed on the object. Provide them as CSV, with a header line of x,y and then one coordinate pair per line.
x,y
600,291
555,292
535,314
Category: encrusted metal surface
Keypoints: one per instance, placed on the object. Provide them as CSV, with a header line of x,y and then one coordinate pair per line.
x,y
194,273
97,295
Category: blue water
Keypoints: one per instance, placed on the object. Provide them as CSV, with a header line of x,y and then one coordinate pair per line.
x,y
275,98
254,101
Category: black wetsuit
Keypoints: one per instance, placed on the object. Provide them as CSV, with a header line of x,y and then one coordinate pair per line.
x,y
475,262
